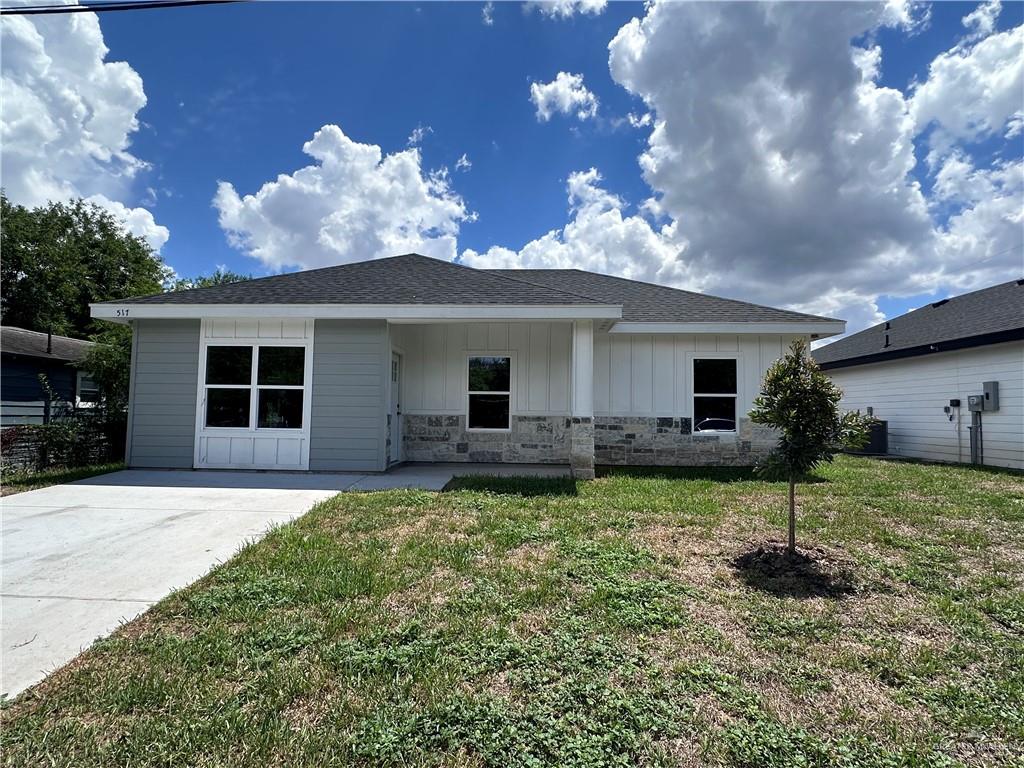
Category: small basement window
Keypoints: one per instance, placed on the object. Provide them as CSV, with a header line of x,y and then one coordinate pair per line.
x,y
714,395
490,392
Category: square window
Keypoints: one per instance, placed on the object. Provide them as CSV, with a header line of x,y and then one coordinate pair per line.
x,y
283,366
229,365
489,411
717,377
227,407
490,374
280,409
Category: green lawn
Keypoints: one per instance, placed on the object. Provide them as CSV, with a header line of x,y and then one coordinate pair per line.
x,y
523,623
18,482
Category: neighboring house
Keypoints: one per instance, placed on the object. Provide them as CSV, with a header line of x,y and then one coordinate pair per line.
x,y
360,366
919,371
26,354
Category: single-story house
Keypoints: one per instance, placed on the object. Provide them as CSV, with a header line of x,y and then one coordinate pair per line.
x,y
947,377
26,354
361,366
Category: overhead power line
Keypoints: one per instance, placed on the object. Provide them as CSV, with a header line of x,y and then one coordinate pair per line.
x,y
104,7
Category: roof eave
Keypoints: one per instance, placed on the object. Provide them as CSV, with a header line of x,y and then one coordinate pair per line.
x,y
407,313
933,348
44,356
814,327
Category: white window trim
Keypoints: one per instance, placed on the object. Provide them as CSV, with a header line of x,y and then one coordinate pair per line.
x,y
254,388
204,434
79,402
694,394
511,383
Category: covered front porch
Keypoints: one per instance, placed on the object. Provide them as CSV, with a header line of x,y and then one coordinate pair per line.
x,y
517,392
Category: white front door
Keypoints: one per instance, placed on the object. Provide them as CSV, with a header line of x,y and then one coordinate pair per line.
x,y
395,452
255,384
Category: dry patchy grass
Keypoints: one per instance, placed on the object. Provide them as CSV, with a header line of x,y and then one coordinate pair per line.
x,y
510,622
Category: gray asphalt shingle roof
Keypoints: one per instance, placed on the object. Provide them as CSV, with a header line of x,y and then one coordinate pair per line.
x,y
415,279
652,303
979,315
18,341
408,279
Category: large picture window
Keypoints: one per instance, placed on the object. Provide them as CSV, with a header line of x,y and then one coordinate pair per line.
x,y
714,395
254,387
490,392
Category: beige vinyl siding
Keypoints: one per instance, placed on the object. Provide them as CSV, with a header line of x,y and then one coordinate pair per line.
x,y
911,393
164,378
351,361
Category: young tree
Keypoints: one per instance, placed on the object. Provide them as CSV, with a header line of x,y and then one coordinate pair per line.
x,y
802,403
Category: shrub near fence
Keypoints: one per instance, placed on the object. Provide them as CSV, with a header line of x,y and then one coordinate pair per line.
x,y
77,441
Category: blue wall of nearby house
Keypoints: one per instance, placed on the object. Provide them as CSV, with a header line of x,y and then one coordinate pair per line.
x,y
21,392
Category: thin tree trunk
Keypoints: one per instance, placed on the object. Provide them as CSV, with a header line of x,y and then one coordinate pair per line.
x,y
792,516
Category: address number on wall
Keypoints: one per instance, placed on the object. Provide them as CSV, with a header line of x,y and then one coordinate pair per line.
x,y
121,312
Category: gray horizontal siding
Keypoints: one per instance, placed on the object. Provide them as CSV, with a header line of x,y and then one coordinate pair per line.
x,y
347,427
165,371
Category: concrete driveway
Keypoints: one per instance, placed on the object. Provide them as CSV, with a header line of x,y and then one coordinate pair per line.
x,y
80,559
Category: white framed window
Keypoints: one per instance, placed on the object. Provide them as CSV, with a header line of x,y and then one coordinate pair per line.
x,y
489,392
87,391
715,391
254,387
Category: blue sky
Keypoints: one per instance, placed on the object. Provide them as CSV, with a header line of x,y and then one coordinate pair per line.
x,y
255,82
233,92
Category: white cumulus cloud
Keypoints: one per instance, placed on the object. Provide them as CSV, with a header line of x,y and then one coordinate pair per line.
x,y
137,221
566,94
975,89
982,243
353,203
599,237
982,20
419,133
68,117
463,163
783,162
564,9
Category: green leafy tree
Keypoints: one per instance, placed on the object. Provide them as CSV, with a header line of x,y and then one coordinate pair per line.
x,y
220,277
109,362
60,257
802,403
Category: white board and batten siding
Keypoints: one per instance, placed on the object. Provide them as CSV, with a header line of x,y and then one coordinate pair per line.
x,y
435,364
910,394
651,374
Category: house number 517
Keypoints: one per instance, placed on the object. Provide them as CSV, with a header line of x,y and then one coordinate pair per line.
x,y
121,313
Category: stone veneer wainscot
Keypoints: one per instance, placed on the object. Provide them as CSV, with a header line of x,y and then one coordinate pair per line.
x,y
668,441
532,440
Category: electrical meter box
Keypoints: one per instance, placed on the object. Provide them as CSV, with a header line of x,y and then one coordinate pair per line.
x,y
991,391
975,402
